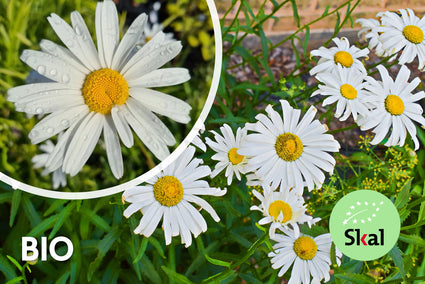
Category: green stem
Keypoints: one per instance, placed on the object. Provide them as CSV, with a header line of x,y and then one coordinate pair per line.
x,y
252,249
172,259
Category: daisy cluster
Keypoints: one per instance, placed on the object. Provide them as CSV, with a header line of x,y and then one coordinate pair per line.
x,y
282,154
386,106
89,91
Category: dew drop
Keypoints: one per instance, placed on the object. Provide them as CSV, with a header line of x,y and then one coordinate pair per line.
x,y
39,110
65,122
53,72
78,30
57,20
65,78
33,134
69,43
41,69
50,130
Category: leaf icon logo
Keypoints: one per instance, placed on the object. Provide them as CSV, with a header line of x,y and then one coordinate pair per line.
x,y
361,209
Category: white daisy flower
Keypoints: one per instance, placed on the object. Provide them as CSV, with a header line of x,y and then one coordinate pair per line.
x,y
344,54
286,152
282,208
371,35
168,196
308,256
403,32
40,161
346,87
395,108
226,147
104,90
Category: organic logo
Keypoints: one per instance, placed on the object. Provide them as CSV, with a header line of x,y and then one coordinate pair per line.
x,y
364,225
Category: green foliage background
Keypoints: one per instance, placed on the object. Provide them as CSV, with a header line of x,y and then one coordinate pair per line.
x,y
234,250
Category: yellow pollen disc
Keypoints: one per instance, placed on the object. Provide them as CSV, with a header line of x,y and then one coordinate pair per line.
x,y
344,58
413,33
394,105
348,92
234,157
168,191
305,247
288,147
103,89
279,206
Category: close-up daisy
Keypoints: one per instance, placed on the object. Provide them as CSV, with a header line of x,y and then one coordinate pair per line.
x,y
403,32
343,54
40,160
370,34
104,90
226,147
281,208
346,87
287,152
308,256
168,196
395,108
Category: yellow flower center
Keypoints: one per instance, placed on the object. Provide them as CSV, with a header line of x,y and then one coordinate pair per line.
x,y
103,89
394,105
305,247
234,157
348,92
413,33
344,58
168,191
288,147
279,206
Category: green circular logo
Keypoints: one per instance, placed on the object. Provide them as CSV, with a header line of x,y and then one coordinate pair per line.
x,y
364,225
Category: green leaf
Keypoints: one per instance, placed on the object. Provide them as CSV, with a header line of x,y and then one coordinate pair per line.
x,y
157,246
395,254
103,246
295,13
404,195
62,216
96,219
43,226
217,261
7,269
15,262
355,278
179,278
142,250
16,200
15,280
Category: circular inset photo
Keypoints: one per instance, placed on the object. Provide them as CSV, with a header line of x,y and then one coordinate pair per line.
x,y
100,96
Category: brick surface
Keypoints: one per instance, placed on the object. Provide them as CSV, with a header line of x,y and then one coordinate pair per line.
x,y
310,10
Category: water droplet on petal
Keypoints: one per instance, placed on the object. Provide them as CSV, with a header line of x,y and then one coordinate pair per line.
x,y
33,134
53,72
39,110
41,69
78,30
69,43
50,130
65,78
65,122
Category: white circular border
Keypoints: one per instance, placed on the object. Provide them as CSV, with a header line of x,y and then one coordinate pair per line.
x,y
15,184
